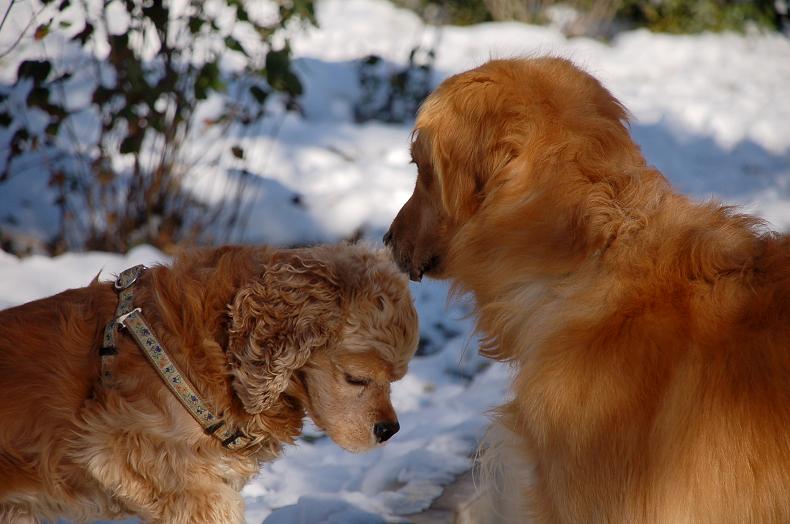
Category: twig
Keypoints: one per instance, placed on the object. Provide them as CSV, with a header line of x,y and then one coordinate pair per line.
x,y
23,32
244,216
8,10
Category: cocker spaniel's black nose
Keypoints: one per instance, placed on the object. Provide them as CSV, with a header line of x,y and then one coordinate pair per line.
x,y
384,430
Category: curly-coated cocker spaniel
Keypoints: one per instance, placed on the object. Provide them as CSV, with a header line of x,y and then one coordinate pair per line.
x,y
206,370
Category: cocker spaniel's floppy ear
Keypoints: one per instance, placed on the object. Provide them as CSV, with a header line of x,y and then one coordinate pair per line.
x,y
277,320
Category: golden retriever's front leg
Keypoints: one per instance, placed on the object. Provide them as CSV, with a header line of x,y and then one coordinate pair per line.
x,y
221,505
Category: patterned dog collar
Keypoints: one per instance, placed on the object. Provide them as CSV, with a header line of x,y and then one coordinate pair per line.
x,y
131,318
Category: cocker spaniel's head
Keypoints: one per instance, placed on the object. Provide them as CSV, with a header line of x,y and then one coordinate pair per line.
x,y
329,328
507,151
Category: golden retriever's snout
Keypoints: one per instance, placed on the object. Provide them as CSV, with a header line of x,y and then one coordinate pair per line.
x,y
402,260
407,262
384,430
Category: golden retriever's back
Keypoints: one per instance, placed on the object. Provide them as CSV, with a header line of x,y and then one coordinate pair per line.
x,y
664,379
712,328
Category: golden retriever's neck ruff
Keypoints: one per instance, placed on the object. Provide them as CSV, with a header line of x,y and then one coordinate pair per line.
x,y
573,254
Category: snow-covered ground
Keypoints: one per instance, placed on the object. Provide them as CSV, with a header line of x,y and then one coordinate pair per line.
x,y
711,111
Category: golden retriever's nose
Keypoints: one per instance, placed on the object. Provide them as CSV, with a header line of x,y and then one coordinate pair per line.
x,y
385,430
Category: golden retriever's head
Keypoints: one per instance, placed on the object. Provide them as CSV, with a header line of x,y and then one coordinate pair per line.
x,y
491,142
330,327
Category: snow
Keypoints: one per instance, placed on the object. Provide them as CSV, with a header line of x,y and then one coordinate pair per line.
x,y
23,280
711,111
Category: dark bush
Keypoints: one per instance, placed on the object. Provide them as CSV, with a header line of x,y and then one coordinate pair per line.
x,y
693,16
393,93
456,12
127,187
674,16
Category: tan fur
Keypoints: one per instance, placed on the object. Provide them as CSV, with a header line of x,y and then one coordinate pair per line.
x,y
265,335
650,334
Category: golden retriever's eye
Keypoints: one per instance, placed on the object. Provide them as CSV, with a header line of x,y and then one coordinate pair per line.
x,y
356,381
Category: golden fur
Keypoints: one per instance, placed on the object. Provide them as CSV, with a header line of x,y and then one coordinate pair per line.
x,y
265,335
650,334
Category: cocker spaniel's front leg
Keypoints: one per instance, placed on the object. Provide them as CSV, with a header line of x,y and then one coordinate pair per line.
x,y
12,514
221,505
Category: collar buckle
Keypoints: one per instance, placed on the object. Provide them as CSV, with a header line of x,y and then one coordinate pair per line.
x,y
128,277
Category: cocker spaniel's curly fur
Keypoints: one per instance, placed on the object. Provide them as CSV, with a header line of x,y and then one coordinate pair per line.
x,y
265,335
650,334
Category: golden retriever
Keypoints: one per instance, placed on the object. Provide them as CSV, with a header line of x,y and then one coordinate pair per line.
x,y
650,334
264,334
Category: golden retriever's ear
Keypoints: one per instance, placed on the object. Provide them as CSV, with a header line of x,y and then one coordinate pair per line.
x,y
277,320
453,157
466,149
457,177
